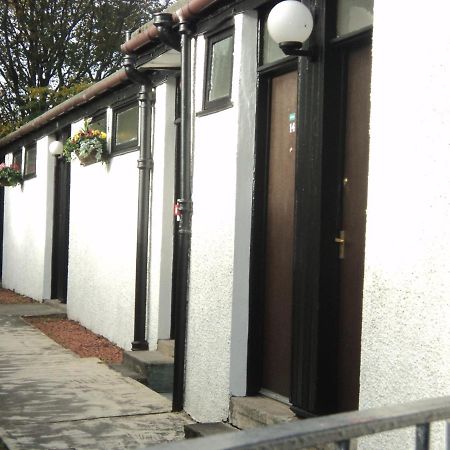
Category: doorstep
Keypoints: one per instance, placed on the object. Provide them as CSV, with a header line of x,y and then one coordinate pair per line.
x,y
257,411
57,304
195,430
155,366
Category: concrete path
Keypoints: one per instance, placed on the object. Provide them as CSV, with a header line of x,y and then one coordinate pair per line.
x,y
52,399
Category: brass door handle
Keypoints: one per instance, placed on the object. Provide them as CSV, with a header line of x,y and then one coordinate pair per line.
x,y
341,241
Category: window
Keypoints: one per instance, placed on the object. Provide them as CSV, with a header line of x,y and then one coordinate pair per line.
x,y
125,129
219,71
17,159
98,123
271,50
30,162
354,15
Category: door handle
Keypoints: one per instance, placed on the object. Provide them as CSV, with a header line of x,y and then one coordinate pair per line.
x,y
341,241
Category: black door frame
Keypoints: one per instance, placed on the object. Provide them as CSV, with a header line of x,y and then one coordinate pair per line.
x,y
320,170
319,196
320,144
307,223
61,212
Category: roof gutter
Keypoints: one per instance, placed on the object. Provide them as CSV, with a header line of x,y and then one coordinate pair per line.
x,y
188,11
83,97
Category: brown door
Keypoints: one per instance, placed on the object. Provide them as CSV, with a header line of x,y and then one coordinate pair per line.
x,y
279,236
354,202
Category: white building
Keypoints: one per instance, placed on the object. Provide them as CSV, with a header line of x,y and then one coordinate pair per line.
x,y
317,269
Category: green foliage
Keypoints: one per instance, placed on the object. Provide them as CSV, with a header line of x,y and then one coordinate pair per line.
x,y
52,49
9,175
9,127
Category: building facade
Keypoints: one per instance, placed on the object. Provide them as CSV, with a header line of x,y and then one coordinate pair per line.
x,y
317,259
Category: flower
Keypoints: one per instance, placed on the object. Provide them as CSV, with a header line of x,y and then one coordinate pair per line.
x,y
86,143
10,175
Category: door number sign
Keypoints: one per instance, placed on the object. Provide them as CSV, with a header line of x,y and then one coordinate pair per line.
x,y
291,123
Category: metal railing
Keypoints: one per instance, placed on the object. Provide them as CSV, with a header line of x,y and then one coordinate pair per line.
x,y
339,430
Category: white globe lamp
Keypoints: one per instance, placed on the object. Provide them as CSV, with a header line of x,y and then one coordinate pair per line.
x,y
290,24
56,148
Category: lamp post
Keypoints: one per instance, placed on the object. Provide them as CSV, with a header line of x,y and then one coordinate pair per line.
x,y
290,24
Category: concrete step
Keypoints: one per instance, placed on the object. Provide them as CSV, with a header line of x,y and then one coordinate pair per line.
x,y
156,367
250,412
127,371
195,430
55,303
167,347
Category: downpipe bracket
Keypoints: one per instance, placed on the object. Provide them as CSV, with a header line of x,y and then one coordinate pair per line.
x,y
143,164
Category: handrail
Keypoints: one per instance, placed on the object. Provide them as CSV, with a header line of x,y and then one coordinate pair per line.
x,y
339,429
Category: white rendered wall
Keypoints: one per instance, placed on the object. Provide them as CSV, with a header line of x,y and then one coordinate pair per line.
x,y
406,310
218,298
102,246
161,231
28,225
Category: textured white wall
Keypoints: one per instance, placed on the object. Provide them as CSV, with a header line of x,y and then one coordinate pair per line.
x,y
244,78
406,332
220,242
161,232
28,225
102,247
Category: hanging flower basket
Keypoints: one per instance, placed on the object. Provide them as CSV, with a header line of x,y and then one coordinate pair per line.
x,y
87,159
88,145
10,175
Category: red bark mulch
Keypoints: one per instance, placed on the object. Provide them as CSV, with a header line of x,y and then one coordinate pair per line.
x,y
68,333
8,297
75,337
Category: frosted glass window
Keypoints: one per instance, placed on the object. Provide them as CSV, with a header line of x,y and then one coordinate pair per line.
x,y
353,15
30,162
99,123
127,124
221,68
271,50
17,159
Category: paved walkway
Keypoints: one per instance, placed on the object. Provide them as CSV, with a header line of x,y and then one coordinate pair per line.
x,y
52,399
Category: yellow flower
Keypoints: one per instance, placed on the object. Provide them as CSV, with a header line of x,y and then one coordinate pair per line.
x,y
103,135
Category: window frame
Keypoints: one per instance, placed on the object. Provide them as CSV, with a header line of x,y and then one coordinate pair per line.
x,y
210,106
28,149
17,153
127,147
98,116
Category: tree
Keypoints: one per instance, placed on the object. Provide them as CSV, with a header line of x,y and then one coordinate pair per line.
x,y
51,49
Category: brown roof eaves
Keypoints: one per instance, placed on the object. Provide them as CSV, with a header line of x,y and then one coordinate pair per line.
x,y
77,100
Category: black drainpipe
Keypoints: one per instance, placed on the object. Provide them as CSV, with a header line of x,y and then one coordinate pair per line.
x,y
184,205
145,166
164,24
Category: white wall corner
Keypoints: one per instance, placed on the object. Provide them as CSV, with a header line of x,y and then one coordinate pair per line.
x,y
220,242
161,233
405,348
244,76
28,226
47,169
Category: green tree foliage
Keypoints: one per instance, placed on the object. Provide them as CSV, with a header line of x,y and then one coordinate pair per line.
x,y
52,49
